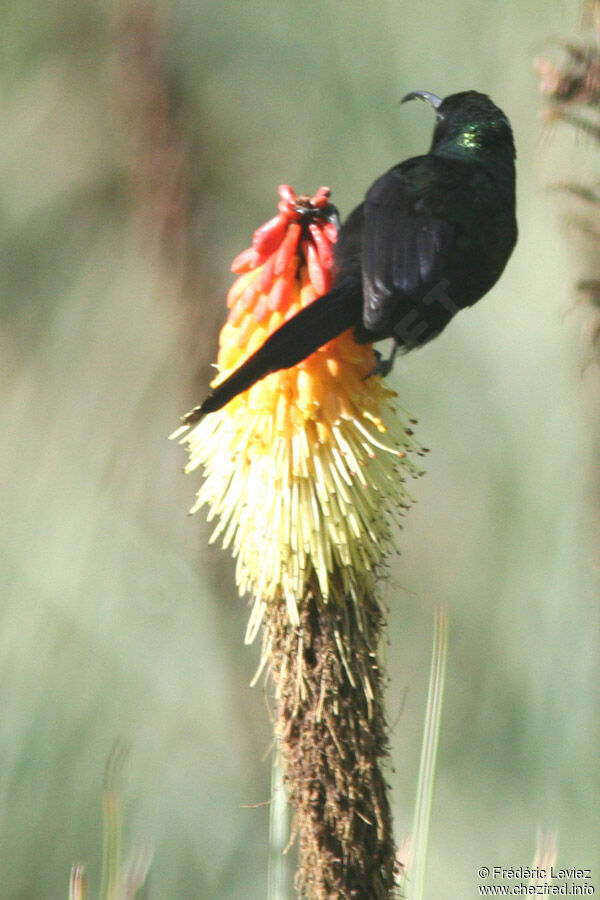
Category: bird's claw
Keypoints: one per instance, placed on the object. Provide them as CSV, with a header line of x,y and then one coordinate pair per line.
x,y
382,366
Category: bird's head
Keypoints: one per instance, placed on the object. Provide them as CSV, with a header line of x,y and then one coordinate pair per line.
x,y
467,123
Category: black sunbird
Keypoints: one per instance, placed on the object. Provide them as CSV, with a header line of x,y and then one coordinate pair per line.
x,y
431,237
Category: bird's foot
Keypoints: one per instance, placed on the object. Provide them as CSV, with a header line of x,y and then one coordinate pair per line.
x,y
383,366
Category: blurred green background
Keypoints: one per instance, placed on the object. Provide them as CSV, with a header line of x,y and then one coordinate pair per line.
x,y
141,144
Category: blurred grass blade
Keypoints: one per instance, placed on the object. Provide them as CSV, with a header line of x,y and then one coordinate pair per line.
x,y
78,883
431,733
113,821
278,833
118,882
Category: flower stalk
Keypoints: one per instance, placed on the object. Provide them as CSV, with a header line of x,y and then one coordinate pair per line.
x,y
333,742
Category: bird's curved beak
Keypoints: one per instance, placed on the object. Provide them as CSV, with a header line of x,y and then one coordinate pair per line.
x,y
427,96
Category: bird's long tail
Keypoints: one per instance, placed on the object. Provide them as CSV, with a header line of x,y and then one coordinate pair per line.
x,y
315,325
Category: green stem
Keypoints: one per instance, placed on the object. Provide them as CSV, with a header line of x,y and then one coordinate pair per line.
x,y
278,832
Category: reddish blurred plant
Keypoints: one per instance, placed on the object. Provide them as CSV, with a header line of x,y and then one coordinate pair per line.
x,y
572,91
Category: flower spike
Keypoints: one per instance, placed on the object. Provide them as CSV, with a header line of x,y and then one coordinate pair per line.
x,y
304,470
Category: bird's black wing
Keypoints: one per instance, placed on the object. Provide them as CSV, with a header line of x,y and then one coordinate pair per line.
x,y
407,240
